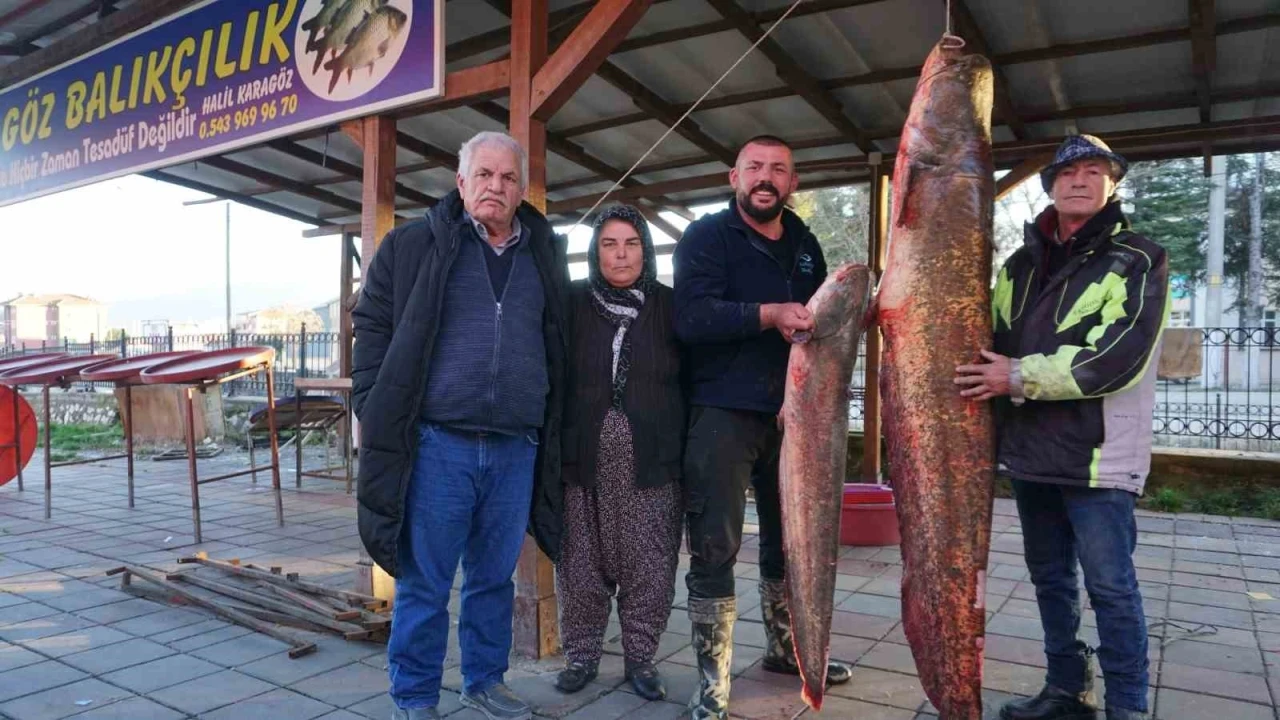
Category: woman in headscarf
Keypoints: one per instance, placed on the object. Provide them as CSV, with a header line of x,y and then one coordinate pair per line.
x,y
623,441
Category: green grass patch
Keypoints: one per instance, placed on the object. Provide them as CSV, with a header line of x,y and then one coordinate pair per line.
x,y
82,436
1234,497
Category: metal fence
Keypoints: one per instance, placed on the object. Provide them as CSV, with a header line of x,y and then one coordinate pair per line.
x,y
1232,403
302,354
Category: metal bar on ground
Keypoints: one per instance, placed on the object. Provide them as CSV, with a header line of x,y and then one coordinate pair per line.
x,y
298,646
347,596
228,476
349,631
314,606
105,458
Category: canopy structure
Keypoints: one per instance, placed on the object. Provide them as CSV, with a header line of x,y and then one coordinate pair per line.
x,y
1154,78
588,87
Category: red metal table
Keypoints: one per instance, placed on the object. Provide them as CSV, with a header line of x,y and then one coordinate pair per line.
x,y
204,370
59,371
21,417
126,373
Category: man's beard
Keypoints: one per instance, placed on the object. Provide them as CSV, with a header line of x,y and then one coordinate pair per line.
x,y
762,214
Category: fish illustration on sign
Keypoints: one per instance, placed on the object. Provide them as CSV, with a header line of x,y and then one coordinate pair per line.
x,y
345,18
367,43
320,21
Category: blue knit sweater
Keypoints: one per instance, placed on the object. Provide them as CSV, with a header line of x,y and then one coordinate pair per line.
x,y
488,369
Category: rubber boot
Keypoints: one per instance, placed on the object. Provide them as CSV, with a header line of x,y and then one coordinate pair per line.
x,y
779,653
713,643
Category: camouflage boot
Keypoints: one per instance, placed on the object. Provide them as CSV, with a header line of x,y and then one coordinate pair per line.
x,y
713,642
779,653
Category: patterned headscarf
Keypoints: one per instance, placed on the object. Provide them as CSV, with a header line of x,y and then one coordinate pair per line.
x,y
621,306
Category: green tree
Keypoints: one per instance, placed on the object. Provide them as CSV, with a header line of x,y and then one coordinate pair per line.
x,y
1242,174
1169,202
838,218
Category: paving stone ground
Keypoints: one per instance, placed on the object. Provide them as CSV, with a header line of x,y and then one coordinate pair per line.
x,y
73,645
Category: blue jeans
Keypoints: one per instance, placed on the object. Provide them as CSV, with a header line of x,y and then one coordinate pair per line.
x,y
468,499
1060,525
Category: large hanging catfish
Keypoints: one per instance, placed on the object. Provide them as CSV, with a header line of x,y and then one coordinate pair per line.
x,y
935,312
815,439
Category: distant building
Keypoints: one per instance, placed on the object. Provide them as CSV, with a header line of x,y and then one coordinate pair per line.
x,y
280,320
29,320
330,314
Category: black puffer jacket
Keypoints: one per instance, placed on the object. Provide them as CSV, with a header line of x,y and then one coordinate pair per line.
x,y
396,322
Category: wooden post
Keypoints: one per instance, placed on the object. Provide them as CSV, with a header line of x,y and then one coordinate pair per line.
x,y
376,136
537,632
345,304
877,240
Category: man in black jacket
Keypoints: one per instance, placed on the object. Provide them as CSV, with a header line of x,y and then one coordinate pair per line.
x,y
1078,314
458,379
742,278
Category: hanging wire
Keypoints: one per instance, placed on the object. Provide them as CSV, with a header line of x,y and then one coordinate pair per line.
x,y
950,39
686,114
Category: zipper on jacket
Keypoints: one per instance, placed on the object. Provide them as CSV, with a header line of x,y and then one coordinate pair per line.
x,y
497,332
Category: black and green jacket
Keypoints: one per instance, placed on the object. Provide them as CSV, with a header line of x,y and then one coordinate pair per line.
x,y
1083,337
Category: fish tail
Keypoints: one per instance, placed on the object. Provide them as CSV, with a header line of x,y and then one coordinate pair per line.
x,y
811,698
333,79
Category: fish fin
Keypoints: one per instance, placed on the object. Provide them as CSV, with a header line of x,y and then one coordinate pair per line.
x,y
315,69
901,188
872,316
333,79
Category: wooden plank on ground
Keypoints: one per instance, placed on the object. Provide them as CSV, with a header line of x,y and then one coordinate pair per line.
x,y
297,646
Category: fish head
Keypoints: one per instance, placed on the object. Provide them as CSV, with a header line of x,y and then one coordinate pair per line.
x,y
952,107
841,299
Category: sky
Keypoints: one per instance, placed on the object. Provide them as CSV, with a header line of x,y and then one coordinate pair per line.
x,y
133,244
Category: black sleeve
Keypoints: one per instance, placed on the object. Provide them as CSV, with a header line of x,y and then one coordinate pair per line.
x,y
372,321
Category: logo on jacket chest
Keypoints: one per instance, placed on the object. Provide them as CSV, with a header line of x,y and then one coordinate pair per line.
x,y
805,264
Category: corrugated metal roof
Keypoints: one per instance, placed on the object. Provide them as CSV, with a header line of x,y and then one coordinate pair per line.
x,y
1104,83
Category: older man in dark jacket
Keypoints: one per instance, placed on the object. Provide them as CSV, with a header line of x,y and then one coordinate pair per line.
x,y
457,381
1078,314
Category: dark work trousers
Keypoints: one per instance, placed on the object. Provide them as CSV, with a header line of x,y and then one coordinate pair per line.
x,y
726,450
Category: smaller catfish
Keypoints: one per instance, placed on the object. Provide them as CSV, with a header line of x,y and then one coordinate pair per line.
x,y
815,438
368,43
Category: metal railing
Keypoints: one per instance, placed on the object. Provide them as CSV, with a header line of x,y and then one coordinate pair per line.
x,y
1233,403
302,354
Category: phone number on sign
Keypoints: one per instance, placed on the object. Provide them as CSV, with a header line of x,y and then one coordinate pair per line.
x,y
248,117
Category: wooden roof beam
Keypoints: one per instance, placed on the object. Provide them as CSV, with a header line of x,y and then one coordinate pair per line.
x,y
463,87
1021,172
664,112
967,27
296,187
812,7
578,155
1233,130
437,155
1204,52
134,17
792,74
26,45
875,77
164,176
582,53
348,171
